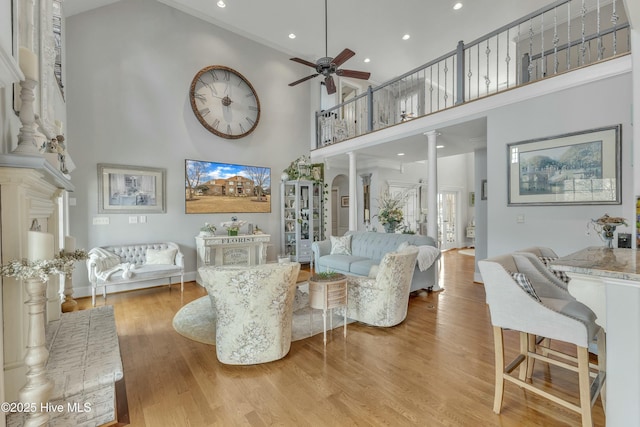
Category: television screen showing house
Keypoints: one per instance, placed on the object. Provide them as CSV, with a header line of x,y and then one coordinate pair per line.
x,y
225,188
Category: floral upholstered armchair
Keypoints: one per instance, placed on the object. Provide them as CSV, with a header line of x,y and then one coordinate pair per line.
x,y
383,300
254,307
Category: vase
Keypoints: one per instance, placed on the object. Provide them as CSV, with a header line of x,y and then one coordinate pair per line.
x,y
607,235
390,227
232,232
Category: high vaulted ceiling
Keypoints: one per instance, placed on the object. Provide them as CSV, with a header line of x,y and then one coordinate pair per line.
x,y
371,28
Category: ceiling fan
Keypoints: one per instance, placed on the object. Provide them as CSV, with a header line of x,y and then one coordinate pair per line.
x,y
328,66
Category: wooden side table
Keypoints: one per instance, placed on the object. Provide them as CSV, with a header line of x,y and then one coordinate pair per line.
x,y
327,294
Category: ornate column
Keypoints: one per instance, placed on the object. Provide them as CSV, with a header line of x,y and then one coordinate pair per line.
x,y
432,185
353,206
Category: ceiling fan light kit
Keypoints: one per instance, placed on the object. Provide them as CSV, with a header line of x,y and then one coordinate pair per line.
x,y
328,66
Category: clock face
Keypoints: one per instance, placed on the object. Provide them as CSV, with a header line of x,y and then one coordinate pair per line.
x,y
224,102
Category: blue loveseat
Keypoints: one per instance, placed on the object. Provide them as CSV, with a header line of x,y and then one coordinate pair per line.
x,y
367,250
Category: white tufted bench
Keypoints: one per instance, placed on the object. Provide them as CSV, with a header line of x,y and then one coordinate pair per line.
x,y
120,264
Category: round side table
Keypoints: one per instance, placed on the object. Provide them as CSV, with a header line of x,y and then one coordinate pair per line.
x,y
327,294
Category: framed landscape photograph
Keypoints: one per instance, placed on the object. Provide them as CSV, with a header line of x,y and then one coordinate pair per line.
x,y
574,169
212,187
131,189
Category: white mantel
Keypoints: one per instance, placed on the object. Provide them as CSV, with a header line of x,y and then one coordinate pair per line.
x,y
30,189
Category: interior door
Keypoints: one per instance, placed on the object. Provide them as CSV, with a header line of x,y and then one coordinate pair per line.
x,y
448,219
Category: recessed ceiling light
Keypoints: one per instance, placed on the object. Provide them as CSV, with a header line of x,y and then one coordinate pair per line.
x,y
400,154
367,60
292,36
457,6
406,37
221,4
439,146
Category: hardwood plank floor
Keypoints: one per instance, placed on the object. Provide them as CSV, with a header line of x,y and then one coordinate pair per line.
x,y
434,369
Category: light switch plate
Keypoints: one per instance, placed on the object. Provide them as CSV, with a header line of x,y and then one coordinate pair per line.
x,y
133,220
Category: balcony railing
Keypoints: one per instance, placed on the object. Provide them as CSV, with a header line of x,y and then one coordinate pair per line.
x,y
563,36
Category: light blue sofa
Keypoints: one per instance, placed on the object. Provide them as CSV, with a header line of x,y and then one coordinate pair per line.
x,y
367,249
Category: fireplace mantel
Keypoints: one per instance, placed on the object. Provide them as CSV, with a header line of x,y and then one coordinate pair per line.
x,y
50,172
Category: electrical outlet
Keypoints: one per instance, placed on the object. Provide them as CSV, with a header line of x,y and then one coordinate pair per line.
x,y
133,220
143,219
100,220
520,219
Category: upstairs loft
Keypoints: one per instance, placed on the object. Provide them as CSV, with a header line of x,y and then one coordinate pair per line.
x,y
557,40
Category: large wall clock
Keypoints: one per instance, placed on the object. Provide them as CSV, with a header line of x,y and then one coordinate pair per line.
x,y
225,102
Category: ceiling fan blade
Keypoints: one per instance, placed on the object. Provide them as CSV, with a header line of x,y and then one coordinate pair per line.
x,y
304,62
354,74
343,56
330,84
303,80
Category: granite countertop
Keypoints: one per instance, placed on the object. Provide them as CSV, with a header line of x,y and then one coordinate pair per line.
x,y
601,261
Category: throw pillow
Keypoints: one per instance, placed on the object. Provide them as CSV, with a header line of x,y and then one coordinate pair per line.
x,y
524,282
559,274
341,245
161,256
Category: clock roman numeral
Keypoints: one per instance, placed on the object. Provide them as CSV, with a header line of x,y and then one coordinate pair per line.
x,y
252,108
214,75
229,129
251,122
227,76
241,128
200,97
204,112
216,123
249,95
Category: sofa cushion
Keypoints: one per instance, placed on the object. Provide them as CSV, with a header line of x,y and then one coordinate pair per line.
x,y
340,262
362,268
341,245
160,256
142,272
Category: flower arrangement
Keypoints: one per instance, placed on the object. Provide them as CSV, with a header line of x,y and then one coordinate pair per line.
x,y
233,226
605,226
390,208
61,264
208,228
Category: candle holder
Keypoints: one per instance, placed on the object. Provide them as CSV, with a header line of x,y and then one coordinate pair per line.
x,y
26,137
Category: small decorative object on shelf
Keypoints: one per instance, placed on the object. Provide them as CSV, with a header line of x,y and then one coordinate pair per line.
x,y
233,226
207,229
605,226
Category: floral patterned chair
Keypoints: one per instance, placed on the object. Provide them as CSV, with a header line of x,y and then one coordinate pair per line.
x,y
254,307
383,300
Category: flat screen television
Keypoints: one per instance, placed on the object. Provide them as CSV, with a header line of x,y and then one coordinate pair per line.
x,y
212,187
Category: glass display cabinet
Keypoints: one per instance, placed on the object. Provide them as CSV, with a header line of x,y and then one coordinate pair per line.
x,y
302,218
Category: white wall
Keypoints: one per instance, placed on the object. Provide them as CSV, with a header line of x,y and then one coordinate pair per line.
x,y
594,105
129,68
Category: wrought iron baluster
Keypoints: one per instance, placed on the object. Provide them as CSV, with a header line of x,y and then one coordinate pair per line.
x,y
600,46
583,13
446,95
469,75
530,67
614,21
569,36
431,88
507,59
543,64
556,40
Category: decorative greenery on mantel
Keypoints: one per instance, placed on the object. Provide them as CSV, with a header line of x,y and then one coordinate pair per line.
x,y
63,263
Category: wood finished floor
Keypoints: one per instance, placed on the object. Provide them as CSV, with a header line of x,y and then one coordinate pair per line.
x,y
434,369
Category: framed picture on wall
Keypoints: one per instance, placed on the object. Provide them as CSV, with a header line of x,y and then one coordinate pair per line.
x,y
581,168
131,189
212,187
344,201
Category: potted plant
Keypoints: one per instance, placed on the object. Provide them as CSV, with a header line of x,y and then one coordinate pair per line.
x,y
233,226
390,210
207,229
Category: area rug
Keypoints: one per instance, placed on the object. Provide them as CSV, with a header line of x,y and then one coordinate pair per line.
x,y
470,252
196,320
